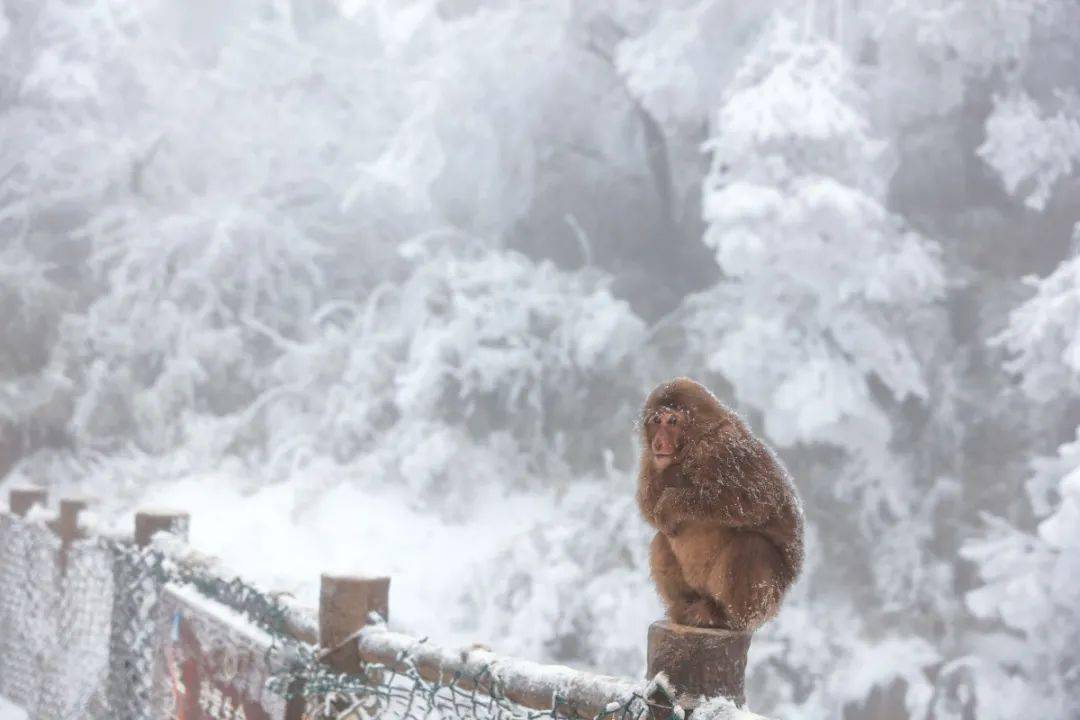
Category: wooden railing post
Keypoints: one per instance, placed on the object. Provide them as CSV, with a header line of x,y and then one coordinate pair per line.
x,y
20,500
699,662
66,526
147,523
68,520
345,604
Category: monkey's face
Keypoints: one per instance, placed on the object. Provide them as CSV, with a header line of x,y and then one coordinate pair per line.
x,y
665,430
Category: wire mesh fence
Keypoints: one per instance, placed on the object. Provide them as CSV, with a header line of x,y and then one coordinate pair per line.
x,y
401,691
100,628
54,621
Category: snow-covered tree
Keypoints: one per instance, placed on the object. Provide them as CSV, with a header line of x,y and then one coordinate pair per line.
x,y
797,220
32,399
478,358
826,294
824,304
1031,575
1029,150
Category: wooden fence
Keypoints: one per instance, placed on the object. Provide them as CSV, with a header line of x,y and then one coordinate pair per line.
x,y
349,631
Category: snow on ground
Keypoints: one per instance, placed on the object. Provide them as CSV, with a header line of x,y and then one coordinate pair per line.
x,y
283,536
8,711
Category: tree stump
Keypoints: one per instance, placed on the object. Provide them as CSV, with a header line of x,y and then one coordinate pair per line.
x,y
699,662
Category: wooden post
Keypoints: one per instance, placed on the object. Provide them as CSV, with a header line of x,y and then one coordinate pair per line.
x,y
20,500
344,606
66,527
148,523
699,662
67,523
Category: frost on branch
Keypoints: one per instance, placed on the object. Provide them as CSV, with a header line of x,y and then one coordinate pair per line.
x,y
1030,150
680,66
1042,333
195,315
31,305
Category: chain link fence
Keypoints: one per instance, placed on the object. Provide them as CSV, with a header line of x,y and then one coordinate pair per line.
x,y
90,628
54,621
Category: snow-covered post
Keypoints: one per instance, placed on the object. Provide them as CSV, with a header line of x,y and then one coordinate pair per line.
x,y
345,606
66,526
149,523
20,500
699,662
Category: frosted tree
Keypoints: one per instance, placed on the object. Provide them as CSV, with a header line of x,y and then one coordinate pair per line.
x,y
1043,335
236,180
825,291
198,262
678,61
479,358
32,398
182,320
949,58
52,119
198,220
1030,574
826,295
1031,150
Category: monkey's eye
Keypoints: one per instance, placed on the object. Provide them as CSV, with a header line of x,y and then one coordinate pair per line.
x,y
673,420
656,419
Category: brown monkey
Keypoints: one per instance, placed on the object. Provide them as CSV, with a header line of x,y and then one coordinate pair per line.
x,y
731,526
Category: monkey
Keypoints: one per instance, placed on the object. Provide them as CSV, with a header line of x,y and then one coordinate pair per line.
x,y
730,524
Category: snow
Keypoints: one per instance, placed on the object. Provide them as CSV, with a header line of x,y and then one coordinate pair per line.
x,y
283,536
723,709
523,681
230,620
8,711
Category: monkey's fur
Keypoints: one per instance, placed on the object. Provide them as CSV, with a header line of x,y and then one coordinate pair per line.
x,y
730,540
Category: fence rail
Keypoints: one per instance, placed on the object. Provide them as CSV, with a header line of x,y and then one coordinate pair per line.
x,y
144,627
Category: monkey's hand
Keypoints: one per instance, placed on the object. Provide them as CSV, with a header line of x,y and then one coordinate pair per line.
x,y
669,513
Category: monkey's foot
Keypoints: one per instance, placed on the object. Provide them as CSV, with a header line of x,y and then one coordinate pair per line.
x,y
702,613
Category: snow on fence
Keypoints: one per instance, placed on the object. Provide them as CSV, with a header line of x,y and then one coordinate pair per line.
x,y
146,628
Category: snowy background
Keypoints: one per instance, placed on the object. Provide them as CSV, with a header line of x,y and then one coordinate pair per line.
x,y
377,286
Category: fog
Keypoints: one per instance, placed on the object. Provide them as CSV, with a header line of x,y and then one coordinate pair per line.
x,y
380,286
